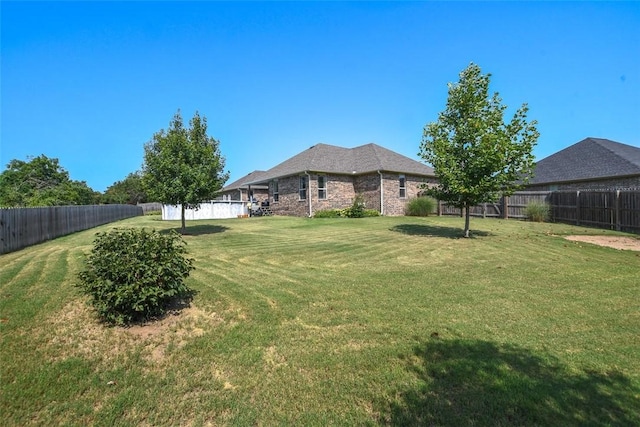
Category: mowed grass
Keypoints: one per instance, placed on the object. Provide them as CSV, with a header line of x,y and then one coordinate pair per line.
x,y
373,321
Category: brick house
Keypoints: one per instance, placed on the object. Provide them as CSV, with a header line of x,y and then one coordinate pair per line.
x,y
329,177
591,164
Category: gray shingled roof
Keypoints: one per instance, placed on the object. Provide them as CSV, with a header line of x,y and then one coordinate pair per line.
x,y
242,182
591,158
359,160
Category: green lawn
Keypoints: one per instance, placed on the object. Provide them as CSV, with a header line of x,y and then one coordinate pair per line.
x,y
373,321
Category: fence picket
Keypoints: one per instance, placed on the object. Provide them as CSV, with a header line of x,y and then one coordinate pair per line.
x,y
22,227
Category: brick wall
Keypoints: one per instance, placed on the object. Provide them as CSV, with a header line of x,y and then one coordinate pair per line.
x,y
369,187
289,202
394,205
341,191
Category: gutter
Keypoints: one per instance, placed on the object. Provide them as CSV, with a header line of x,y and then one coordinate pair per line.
x,y
381,194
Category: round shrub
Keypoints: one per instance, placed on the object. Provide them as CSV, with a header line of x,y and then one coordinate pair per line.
x,y
421,206
135,274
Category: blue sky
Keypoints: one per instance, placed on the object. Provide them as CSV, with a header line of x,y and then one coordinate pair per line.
x,y
90,82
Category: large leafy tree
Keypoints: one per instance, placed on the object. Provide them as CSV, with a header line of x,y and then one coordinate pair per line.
x,y
183,166
42,181
477,157
128,191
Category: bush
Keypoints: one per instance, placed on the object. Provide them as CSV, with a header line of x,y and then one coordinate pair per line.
x,y
343,213
134,274
329,213
357,208
421,206
538,211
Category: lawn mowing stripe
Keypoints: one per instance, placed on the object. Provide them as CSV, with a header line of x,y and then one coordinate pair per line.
x,y
334,325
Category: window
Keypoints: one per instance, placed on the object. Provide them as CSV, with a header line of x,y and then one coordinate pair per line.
x,y
403,188
322,187
303,188
275,190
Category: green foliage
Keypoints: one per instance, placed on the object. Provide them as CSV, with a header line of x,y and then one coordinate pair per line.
x,y
538,211
183,166
477,157
344,213
357,208
421,206
134,274
41,181
128,191
329,213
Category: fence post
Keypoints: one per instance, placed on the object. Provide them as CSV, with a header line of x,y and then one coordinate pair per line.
x,y
617,210
505,207
578,207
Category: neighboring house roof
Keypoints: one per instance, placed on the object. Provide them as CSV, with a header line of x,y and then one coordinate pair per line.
x,y
242,182
351,161
591,158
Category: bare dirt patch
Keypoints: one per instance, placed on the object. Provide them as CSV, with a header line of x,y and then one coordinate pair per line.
x,y
616,242
76,332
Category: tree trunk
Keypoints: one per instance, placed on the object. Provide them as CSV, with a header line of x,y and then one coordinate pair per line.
x,y
184,226
467,210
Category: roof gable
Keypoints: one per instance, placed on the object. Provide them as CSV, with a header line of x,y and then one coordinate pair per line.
x,y
591,158
359,160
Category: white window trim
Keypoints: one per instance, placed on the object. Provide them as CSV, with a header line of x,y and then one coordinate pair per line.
x,y
302,179
324,179
402,188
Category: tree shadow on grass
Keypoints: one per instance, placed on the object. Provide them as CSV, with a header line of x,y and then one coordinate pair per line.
x,y
435,231
199,230
467,382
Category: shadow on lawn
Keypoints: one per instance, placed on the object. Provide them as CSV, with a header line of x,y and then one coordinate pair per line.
x,y
436,231
199,230
466,382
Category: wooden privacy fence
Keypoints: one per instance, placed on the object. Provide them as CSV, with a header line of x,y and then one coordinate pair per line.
x,y
514,206
22,227
612,209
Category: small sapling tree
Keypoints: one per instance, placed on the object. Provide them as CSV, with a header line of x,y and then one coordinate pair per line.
x,y
183,166
476,156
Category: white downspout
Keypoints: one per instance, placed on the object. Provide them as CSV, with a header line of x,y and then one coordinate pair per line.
x,y
309,192
381,194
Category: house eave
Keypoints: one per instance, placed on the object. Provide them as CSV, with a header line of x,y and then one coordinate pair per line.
x,y
578,181
265,181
